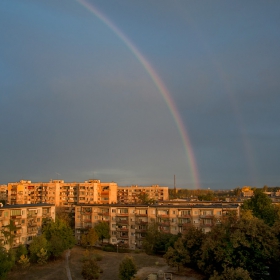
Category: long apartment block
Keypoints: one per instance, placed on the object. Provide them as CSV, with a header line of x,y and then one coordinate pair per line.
x,y
129,223
62,193
68,194
20,223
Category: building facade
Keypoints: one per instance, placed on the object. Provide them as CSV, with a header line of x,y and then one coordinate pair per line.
x,y
131,194
62,193
3,193
20,223
129,223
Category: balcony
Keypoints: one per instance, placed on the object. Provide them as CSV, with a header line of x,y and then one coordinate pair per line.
x,y
31,215
32,224
141,214
141,222
141,230
163,215
104,213
16,217
123,237
164,223
122,229
48,214
206,215
206,225
122,214
185,215
87,220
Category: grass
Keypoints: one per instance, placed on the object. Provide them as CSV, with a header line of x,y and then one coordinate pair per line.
x,y
108,261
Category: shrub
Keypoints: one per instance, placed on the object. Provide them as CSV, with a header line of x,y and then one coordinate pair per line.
x,y
90,270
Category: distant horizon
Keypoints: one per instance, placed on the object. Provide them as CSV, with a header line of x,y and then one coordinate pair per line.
x,y
140,185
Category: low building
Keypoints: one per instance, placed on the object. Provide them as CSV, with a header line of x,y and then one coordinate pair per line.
x,y
247,192
129,223
3,193
134,193
20,223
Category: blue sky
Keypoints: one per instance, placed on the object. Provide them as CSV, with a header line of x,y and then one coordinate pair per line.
x,y
76,103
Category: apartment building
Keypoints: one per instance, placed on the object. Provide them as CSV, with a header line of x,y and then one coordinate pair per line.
x,y
62,193
3,192
129,223
20,223
131,194
247,192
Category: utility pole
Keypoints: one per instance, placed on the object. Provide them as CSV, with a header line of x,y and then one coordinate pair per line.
x,y
174,184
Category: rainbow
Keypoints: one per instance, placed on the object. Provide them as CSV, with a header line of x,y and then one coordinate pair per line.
x,y
159,84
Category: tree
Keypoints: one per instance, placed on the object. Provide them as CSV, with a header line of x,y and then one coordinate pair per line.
x,y
24,261
176,256
61,214
102,229
38,243
6,262
247,244
21,250
8,232
90,270
56,246
89,238
152,235
59,235
261,206
127,269
231,274
42,256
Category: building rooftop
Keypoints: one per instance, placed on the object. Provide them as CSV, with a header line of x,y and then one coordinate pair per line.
x,y
8,206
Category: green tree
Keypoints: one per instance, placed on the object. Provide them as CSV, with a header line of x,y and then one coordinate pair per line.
x,y
59,235
21,250
24,261
261,206
8,233
102,229
56,246
60,213
248,244
38,243
151,238
176,256
192,240
89,238
231,274
42,256
127,269
90,270
6,262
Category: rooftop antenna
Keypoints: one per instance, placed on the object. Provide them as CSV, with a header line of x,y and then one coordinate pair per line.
x,y
174,184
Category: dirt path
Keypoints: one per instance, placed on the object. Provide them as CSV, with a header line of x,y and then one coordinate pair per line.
x,y
67,255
